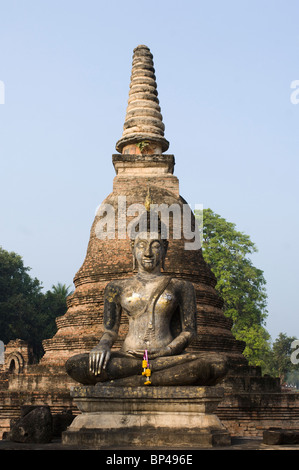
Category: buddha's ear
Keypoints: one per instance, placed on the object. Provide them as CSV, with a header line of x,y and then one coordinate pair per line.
x,y
165,246
132,244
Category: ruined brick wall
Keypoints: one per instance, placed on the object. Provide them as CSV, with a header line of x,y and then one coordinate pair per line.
x,y
248,414
18,355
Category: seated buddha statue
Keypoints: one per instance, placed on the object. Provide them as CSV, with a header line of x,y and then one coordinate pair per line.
x,y
161,311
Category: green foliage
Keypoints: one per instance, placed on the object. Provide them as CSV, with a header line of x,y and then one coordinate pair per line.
x,y
239,282
142,145
257,348
19,298
52,305
279,361
25,312
61,290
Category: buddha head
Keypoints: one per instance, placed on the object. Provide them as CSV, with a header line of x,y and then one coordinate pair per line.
x,y
149,244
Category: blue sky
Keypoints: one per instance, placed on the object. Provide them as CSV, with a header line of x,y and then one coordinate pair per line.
x,y
224,73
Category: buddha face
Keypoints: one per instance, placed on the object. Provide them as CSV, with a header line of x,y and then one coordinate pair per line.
x,y
148,252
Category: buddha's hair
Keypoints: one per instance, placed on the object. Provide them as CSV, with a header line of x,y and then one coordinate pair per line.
x,y
150,222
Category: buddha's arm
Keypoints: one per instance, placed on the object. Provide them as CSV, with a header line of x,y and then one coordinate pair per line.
x,y
100,355
187,304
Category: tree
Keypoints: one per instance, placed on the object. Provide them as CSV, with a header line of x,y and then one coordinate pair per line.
x,y
240,284
53,305
19,298
279,362
61,289
25,311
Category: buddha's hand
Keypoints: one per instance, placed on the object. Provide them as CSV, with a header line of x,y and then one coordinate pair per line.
x,y
152,353
98,358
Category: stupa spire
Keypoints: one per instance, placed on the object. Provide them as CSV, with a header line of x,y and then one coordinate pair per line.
x,y
143,125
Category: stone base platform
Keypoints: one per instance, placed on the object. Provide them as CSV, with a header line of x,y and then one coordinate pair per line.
x,y
139,417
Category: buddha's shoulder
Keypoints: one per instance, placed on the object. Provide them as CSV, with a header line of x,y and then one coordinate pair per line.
x,y
117,285
182,284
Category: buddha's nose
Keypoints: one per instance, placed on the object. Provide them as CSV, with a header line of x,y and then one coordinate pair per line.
x,y
148,251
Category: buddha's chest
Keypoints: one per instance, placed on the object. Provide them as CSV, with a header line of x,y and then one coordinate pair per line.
x,y
138,300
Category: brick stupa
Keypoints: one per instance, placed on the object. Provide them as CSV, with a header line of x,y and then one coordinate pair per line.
x,y
141,167
252,402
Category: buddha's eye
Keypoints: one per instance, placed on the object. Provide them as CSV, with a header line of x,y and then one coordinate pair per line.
x,y
156,245
140,244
